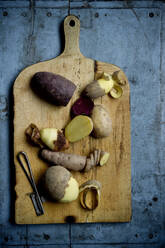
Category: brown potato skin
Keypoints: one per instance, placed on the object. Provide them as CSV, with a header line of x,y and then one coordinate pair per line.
x,y
102,123
56,180
69,161
61,143
93,90
53,88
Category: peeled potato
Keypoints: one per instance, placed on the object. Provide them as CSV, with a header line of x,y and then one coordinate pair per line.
x,y
80,127
60,184
54,139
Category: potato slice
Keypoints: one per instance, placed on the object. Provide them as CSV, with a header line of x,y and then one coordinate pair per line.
x,y
80,127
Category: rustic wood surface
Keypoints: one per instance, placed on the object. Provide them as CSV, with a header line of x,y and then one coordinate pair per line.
x,y
115,176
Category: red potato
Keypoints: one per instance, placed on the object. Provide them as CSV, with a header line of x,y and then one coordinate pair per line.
x,y
53,88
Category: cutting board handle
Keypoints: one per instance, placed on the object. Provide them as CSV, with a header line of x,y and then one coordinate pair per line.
x,y
72,31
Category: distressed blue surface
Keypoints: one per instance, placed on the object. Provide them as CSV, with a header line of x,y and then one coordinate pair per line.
x,y
118,32
114,246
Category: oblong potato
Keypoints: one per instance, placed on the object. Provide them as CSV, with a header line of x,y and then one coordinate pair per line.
x,y
53,87
102,124
79,127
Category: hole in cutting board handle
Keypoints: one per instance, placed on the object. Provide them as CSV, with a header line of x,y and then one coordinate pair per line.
x,y
71,31
72,23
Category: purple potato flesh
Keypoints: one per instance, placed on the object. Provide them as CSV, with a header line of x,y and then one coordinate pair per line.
x,y
82,106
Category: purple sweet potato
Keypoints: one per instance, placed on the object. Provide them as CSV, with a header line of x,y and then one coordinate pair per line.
x,y
83,106
53,88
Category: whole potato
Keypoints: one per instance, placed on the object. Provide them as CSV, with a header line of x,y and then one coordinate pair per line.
x,y
53,87
60,185
102,124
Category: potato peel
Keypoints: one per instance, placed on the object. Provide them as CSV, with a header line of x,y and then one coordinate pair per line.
x,y
93,186
116,92
119,77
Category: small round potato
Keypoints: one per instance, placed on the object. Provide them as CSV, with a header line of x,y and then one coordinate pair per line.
x,y
102,124
60,185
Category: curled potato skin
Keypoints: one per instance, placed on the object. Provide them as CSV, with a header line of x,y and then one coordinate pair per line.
x,y
93,186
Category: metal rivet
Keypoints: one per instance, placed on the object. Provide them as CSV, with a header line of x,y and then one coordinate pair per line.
x,y
49,14
46,236
151,14
5,13
24,14
6,239
155,199
150,236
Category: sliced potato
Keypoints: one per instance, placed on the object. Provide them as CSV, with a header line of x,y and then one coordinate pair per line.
x,y
104,158
80,127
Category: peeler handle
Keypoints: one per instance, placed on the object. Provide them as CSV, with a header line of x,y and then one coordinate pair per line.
x,y
30,177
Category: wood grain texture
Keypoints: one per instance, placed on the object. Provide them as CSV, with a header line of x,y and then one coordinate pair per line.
x,y
115,176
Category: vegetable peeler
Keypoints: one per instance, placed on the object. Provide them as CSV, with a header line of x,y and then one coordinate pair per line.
x,y
35,197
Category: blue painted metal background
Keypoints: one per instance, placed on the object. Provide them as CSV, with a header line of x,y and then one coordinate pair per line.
x,y
130,34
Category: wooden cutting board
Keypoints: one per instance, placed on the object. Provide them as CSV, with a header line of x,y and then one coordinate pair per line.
x,y
115,176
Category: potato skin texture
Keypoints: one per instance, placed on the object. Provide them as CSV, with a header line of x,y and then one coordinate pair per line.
x,y
54,139
94,90
69,161
60,185
55,181
102,124
52,88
